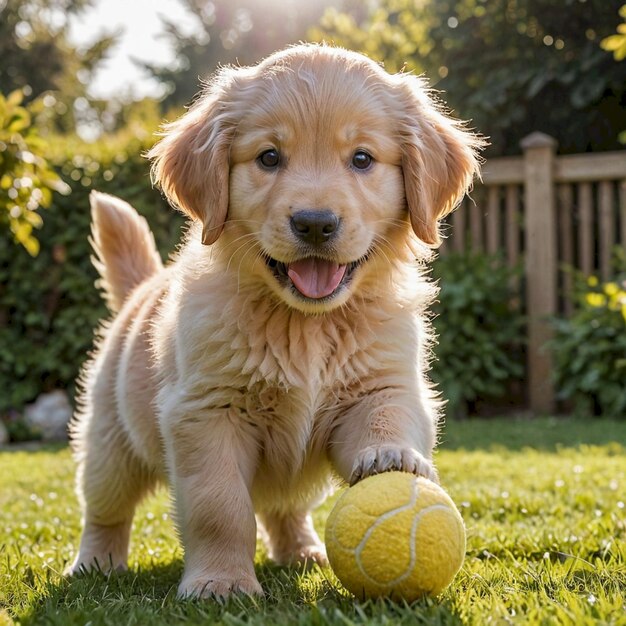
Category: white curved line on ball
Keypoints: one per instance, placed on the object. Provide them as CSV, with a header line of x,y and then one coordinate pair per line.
x,y
384,517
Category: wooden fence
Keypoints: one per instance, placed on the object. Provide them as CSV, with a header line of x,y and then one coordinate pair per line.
x,y
550,213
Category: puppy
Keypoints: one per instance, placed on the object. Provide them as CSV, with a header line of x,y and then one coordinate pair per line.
x,y
287,340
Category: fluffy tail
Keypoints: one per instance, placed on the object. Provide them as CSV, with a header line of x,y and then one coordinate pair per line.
x,y
125,252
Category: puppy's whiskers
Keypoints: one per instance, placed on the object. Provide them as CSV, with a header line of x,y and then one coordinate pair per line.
x,y
394,221
246,236
230,222
245,254
383,243
252,237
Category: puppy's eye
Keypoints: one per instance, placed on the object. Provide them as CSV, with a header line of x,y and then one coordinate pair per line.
x,y
269,159
361,160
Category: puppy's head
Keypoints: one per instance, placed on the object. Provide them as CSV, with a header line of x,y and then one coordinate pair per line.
x,y
314,163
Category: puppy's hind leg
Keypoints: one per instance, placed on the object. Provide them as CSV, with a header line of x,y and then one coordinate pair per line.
x,y
291,538
111,477
110,483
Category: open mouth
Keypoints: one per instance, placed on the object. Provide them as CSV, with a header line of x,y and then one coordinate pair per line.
x,y
314,278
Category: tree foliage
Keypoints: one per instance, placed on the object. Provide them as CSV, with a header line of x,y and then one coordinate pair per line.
x,y
241,31
512,66
617,43
27,180
38,58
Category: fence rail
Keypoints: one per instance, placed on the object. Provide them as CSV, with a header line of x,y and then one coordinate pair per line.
x,y
551,213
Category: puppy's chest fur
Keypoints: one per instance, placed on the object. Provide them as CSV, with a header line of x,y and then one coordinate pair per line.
x,y
285,349
293,373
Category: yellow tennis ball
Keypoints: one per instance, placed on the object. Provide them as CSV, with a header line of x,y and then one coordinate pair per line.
x,y
395,535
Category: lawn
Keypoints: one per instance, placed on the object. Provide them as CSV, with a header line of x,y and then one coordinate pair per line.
x,y
543,502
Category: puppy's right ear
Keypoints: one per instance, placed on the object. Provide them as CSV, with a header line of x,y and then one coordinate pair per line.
x,y
191,162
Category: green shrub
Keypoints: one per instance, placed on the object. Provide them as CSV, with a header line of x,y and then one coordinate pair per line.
x,y
18,428
27,180
589,349
479,327
49,306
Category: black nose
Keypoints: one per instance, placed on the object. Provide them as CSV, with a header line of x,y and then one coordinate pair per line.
x,y
314,227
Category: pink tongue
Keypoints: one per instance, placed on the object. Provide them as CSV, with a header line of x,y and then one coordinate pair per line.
x,y
315,278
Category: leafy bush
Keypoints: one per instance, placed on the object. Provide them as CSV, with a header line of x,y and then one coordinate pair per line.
x,y
510,66
617,43
479,327
49,306
26,178
18,428
589,349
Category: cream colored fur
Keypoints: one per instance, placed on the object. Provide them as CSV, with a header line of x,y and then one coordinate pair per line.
x,y
219,378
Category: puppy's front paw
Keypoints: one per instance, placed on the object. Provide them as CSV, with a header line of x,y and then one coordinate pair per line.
x,y
389,458
219,587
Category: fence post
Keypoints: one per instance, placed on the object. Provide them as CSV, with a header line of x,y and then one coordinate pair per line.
x,y
540,264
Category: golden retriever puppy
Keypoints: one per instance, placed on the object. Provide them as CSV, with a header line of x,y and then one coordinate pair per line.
x,y
286,342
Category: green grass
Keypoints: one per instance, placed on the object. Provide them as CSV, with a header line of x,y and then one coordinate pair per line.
x,y
546,534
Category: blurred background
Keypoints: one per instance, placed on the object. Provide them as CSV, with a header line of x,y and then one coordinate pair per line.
x,y
532,312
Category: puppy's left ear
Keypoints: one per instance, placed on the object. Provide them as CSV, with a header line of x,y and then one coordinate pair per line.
x,y
439,160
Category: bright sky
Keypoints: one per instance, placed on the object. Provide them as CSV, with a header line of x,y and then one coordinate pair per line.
x,y
139,22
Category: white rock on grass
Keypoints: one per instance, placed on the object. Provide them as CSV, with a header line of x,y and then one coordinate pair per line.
x,y
50,415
